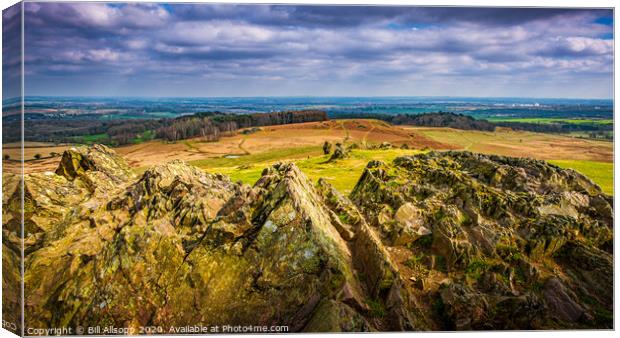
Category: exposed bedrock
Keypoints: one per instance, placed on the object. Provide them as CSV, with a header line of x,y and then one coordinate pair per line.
x,y
450,240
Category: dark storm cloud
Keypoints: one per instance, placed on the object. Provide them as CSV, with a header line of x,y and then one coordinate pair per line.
x,y
199,49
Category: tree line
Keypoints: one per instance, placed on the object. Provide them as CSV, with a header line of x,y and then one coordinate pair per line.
x,y
212,126
465,122
83,129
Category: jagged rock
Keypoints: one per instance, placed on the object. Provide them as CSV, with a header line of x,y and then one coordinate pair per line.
x,y
191,196
492,221
589,271
524,312
487,242
410,224
11,288
345,214
179,234
81,161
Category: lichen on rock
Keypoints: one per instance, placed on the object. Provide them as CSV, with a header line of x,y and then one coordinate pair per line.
x,y
450,240
502,227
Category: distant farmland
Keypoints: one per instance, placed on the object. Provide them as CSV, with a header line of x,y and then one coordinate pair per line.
x,y
243,155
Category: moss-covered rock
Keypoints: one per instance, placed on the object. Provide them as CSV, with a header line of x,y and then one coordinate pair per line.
x,y
434,241
340,152
502,226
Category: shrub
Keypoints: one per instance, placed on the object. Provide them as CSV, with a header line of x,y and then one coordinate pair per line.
x,y
476,268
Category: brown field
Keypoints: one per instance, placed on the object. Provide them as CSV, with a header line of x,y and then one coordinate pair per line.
x,y
310,136
49,156
522,144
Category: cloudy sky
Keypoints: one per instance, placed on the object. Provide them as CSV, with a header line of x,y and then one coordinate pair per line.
x,y
261,50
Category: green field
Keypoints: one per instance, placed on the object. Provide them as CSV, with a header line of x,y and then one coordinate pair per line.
x,y
602,173
342,174
90,139
143,137
266,157
545,120
104,138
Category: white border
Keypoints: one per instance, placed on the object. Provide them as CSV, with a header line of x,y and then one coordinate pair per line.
x,y
486,3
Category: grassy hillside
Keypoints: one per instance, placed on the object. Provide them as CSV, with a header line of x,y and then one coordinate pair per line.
x,y
546,120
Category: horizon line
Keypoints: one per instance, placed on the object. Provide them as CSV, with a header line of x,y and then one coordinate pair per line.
x,y
307,96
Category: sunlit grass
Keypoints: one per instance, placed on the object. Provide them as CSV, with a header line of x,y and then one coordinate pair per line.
x,y
549,120
342,174
266,156
602,173
90,139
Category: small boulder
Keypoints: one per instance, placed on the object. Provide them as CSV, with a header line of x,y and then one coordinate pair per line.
x,y
327,148
410,224
76,162
339,153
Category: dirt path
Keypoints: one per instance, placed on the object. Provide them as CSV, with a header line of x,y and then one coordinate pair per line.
x,y
347,135
191,147
194,149
365,138
470,143
245,151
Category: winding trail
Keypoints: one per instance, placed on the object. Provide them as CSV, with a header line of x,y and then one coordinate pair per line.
x,y
347,135
240,145
470,142
193,148
365,138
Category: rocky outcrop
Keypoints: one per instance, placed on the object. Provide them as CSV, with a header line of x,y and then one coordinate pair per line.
x,y
172,244
489,238
97,160
340,152
435,241
161,250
